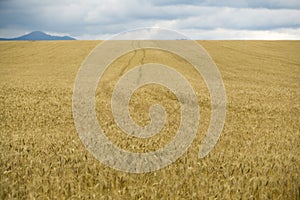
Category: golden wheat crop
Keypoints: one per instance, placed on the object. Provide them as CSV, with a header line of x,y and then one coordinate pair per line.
x,y
256,157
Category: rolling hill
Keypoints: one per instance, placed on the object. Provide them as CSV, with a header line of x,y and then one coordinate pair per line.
x,y
38,35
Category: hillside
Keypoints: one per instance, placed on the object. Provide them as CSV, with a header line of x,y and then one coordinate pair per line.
x,y
38,35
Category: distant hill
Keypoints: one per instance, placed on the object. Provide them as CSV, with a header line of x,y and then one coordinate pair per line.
x,y
38,35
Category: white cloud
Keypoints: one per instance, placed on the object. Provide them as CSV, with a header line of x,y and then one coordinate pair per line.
x,y
241,18
99,19
273,4
229,34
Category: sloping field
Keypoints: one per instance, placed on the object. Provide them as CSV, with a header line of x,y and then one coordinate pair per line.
x,y
256,157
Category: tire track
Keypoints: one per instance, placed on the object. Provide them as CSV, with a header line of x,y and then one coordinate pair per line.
x,y
140,69
128,63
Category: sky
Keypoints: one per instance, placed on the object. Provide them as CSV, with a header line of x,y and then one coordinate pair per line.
x,y
100,19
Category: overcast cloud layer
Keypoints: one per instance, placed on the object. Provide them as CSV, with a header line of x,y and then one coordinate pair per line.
x,y
100,19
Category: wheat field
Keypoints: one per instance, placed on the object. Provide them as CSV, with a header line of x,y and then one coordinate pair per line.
x,y
256,157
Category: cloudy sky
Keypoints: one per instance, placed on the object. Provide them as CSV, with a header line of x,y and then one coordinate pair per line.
x,y
100,19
